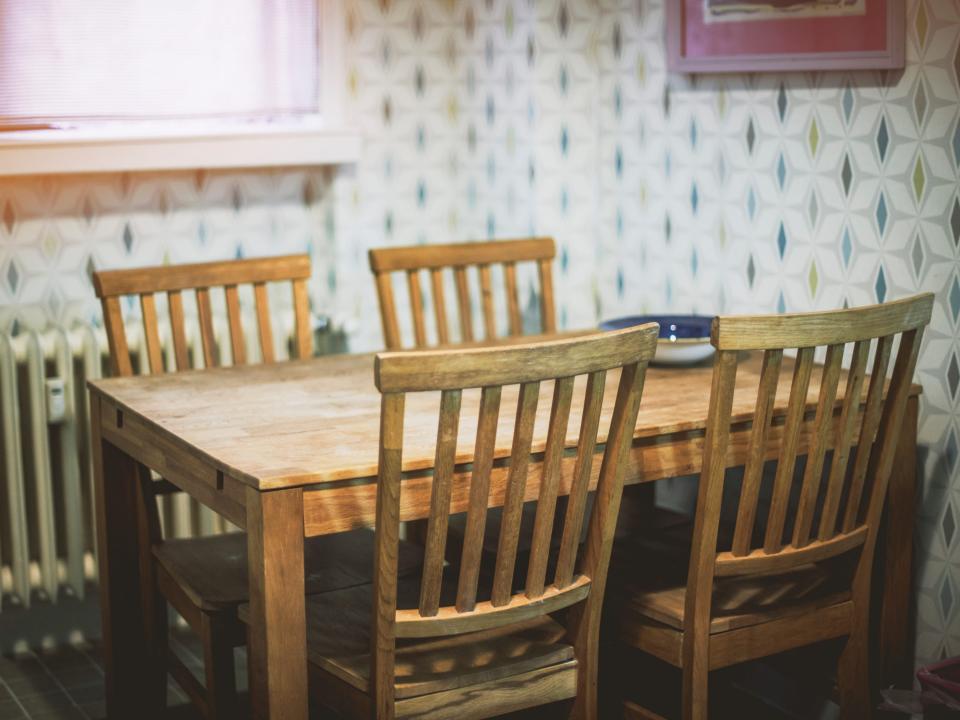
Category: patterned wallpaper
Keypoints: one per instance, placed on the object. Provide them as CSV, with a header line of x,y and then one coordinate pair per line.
x,y
499,118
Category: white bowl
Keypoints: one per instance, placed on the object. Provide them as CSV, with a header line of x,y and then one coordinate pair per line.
x,y
686,351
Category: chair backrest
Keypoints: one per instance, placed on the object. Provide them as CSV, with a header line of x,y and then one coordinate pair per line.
x,y
111,285
458,257
494,483
172,280
828,518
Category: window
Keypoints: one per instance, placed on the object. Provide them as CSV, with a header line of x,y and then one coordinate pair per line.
x,y
63,61
112,70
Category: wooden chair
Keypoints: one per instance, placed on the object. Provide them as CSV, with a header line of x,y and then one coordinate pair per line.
x,y
459,257
796,573
458,646
205,578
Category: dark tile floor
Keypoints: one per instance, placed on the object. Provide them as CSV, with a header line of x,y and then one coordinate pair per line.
x,y
67,683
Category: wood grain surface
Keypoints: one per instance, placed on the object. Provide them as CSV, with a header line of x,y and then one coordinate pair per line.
x,y
316,421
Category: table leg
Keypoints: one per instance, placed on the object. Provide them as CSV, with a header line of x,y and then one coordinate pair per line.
x,y
277,632
125,657
896,629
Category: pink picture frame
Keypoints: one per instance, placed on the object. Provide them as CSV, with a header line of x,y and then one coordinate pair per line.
x,y
868,38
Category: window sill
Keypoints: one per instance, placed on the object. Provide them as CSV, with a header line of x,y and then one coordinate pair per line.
x,y
44,152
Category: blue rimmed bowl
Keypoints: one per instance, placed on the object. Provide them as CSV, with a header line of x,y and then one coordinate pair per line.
x,y
684,339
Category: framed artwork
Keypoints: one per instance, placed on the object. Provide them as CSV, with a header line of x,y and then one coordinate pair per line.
x,y
707,36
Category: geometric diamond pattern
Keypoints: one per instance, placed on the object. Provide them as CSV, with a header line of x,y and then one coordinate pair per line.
x,y
948,525
846,174
13,276
920,102
665,192
8,217
946,597
921,24
882,139
917,256
846,247
880,286
813,137
847,103
955,221
956,143
919,179
881,214
953,376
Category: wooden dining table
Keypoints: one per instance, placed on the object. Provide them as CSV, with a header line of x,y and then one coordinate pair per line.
x,y
289,450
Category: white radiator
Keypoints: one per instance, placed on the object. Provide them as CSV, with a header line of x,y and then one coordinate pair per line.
x,y
47,538
44,522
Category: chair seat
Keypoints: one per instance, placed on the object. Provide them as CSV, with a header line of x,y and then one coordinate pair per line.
x,y
737,601
339,643
212,570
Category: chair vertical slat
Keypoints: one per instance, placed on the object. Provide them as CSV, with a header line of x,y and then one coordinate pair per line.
x,y
583,620
513,298
606,506
783,481
436,540
513,502
586,445
301,311
463,301
868,431
753,471
823,425
237,348
439,305
178,329
548,313
151,332
479,492
844,440
205,315
116,336
416,307
701,567
388,312
486,297
264,328
549,484
888,435
387,543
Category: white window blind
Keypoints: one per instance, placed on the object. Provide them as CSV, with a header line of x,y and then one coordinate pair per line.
x,y
68,61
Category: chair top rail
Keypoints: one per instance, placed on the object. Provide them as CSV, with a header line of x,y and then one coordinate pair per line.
x,y
165,278
458,368
770,332
416,257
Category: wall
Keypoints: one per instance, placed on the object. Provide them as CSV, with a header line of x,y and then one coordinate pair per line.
x,y
736,193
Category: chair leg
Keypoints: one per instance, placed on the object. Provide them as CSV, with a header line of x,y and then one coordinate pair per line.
x,y
160,647
153,603
853,676
221,684
584,706
695,691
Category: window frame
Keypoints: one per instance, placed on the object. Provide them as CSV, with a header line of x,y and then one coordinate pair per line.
x,y
318,140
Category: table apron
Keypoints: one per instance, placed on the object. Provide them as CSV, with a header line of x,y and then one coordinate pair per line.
x,y
337,507
195,476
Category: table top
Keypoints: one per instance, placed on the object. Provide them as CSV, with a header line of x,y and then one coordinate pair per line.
x,y
314,421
